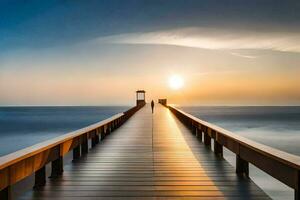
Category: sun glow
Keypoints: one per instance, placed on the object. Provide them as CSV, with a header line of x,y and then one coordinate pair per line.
x,y
176,82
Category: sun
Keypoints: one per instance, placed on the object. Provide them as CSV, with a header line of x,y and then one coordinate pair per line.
x,y
176,82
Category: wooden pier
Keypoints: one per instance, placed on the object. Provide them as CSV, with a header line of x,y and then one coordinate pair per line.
x,y
151,156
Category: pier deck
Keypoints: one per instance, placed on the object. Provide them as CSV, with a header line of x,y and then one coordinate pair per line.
x,y
149,157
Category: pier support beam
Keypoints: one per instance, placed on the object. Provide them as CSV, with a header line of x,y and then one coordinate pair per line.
x,y
6,194
57,167
242,166
40,178
218,149
76,152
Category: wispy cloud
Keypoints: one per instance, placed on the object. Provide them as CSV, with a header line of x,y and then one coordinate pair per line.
x,y
212,38
243,55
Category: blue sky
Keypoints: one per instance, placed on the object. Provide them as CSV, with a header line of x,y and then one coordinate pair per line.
x,y
48,45
36,24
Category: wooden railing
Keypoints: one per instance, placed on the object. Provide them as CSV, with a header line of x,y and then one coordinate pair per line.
x,y
282,166
16,166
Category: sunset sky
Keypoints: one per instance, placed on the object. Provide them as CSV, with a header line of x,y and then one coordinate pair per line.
x,y
99,52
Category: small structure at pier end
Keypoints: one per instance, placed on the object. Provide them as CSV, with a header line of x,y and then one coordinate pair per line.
x,y
140,97
162,101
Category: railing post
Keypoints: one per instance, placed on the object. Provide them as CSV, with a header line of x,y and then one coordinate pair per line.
x,y
104,130
84,144
218,149
207,138
102,133
40,178
195,129
199,133
187,122
6,193
116,123
297,190
108,130
57,167
76,152
111,126
242,166
97,138
94,139
119,122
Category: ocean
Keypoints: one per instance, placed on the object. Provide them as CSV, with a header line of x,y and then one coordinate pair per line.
x,y
21,127
275,126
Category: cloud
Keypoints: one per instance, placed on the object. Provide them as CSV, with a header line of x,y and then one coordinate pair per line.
x,y
213,38
243,55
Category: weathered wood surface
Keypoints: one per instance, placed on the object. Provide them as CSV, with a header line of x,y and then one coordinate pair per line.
x,y
149,157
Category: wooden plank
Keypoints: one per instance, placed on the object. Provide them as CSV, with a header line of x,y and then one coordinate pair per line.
x,y
152,193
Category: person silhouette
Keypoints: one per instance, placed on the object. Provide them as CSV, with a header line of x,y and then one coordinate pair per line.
x,y
152,105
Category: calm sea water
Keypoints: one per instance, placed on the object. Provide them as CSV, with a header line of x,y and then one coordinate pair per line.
x,y
21,127
277,127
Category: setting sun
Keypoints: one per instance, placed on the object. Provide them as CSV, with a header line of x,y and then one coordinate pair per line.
x,y
176,82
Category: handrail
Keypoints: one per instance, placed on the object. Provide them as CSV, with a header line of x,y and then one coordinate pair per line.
x,y
281,165
23,163
14,157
